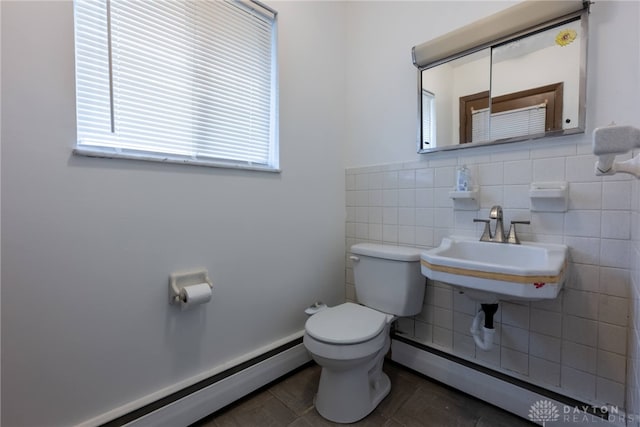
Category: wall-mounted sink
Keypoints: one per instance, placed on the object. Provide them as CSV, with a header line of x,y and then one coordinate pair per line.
x,y
489,271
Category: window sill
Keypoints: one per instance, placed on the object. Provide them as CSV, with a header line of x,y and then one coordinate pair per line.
x,y
162,158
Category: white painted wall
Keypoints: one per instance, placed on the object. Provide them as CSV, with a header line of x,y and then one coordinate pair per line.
x,y
88,244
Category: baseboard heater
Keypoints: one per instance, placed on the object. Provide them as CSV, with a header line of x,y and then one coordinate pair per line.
x,y
499,389
203,398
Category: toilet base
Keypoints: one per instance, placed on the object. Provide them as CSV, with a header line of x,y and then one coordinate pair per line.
x,y
346,397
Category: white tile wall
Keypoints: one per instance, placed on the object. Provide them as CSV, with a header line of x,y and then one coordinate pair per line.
x,y
545,372
616,279
633,350
575,345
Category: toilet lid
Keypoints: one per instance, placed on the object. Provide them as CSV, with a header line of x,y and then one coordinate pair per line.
x,y
346,323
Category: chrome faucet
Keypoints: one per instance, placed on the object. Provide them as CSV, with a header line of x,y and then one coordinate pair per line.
x,y
498,236
496,213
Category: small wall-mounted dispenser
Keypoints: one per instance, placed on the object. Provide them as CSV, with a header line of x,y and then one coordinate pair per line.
x,y
612,140
190,289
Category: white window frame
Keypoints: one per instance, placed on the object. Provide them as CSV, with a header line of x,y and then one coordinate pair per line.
x,y
109,144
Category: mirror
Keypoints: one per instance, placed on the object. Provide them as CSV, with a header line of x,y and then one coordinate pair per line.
x,y
442,88
525,86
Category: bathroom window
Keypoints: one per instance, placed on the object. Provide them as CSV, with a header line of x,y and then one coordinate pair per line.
x,y
428,118
528,112
177,81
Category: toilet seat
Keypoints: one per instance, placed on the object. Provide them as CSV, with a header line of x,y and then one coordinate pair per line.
x,y
346,323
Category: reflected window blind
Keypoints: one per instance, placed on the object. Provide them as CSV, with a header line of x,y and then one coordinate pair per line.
x,y
508,124
480,125
182,81
428,118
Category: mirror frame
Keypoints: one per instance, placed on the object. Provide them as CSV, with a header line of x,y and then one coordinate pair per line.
x,y
511,24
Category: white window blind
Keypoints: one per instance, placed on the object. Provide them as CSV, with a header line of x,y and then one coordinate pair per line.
x,y
177,81
480,125
508,124
428,119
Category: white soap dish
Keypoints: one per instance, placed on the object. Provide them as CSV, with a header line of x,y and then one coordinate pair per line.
x,y
465,200
549,196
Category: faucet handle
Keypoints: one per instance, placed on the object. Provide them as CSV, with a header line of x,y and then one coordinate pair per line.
x,y
513,236
486,233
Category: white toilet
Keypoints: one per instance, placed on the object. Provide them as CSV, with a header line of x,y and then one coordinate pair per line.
x,y
349,341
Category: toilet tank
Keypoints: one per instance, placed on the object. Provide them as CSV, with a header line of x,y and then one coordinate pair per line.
x,y
388,278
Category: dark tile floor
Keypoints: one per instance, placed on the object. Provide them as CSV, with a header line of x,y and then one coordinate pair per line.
x,y
413,401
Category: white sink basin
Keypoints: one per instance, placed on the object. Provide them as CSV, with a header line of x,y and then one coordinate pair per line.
x,y
490,271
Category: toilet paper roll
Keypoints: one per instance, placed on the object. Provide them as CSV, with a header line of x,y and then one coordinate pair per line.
x,y
195,295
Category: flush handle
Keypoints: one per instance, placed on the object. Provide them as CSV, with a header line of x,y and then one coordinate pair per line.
x,y
354,258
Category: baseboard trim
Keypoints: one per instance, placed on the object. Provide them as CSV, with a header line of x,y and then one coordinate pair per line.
x,y
494,390
193,402
221,393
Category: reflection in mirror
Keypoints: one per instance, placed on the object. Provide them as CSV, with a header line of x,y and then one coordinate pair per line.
x,y
523,86
535,83
448,83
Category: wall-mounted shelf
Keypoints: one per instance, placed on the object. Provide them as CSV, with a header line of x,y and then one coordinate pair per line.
x,y
549,196
466,200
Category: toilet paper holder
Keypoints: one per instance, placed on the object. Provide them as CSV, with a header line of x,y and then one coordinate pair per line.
x,y
178,281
